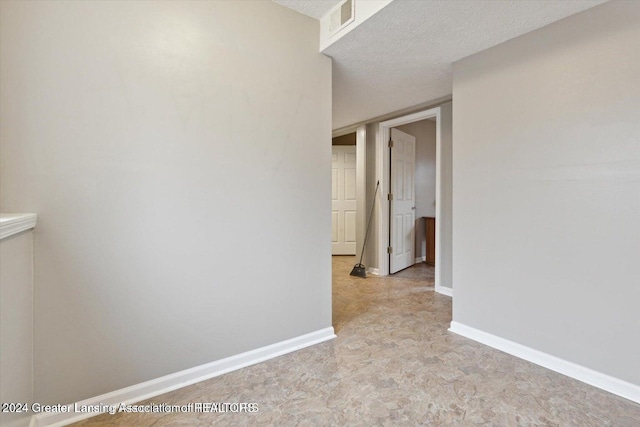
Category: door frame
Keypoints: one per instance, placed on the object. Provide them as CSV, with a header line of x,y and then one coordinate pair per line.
x,y
383,175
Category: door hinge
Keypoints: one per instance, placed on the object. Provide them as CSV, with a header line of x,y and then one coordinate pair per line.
x,y
390,196
390,142
389,250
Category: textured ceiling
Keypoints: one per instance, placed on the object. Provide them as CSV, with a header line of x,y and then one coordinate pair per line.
x,y
402,56
314,8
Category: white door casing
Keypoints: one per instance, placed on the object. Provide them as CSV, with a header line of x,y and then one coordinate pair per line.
x,y
343,200
403,203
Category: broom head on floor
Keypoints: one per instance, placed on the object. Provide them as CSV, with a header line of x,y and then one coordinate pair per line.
x,y
359,270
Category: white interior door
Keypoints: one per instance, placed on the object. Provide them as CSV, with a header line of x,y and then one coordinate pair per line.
x,y
403,204
343,200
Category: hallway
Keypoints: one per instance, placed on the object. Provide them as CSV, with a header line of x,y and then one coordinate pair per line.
x,y
394,363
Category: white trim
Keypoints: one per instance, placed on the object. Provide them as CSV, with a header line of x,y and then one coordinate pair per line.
x,y
382,174
11,224
444,290
167,383
597,379
420,259
374,271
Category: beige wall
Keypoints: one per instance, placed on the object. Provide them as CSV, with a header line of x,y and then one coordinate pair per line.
x,y
373,241
546,192
16,325
425,177
177,156
446,198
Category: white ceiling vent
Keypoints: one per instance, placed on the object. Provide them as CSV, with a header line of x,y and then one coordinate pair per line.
x,y
341,16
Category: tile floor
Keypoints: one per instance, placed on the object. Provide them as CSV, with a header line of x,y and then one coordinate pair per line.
x,y
393,364
420,271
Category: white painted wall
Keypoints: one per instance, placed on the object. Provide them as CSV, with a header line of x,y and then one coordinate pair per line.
x,y
546,193
425,133
158,141
16,325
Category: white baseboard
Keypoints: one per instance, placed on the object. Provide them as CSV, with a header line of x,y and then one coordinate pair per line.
x,y
167,383
419,259
374,271
444,290
597,379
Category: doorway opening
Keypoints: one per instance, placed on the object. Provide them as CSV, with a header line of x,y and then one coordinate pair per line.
x,y
383,173
348,188
413,170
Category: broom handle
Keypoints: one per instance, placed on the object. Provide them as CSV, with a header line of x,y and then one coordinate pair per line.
x,y
373,204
